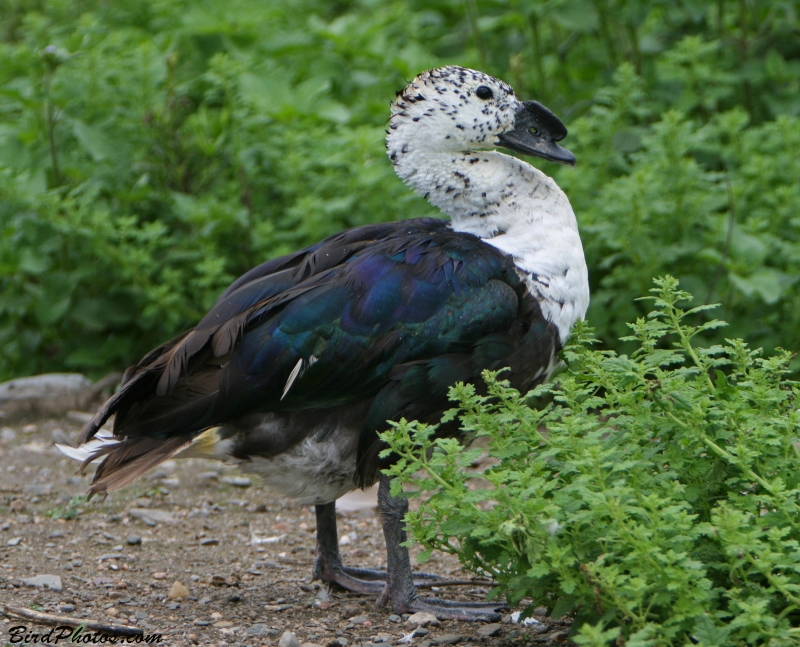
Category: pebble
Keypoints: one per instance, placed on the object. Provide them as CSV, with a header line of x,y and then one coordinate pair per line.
x,y
8,435
310,645
66,608
14,541
423,619
133,540
140,615
262,631
112,611
223,624
287,639
209,541
159,575
559,636
177,591
201,623
448,639
489,630
359,619
394,618
173,605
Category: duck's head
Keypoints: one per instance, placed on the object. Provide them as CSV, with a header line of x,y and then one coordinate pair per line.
x,y
453,109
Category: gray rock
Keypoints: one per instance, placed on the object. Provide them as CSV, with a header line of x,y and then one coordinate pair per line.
x,y
173,605
60,437
81,417
66,608
48,386
287,639
52,582
8,435
489,630
133,540
140,615
151,517
423,619
14,541
394,618
37,489
448,639
359,619
238,481
209,541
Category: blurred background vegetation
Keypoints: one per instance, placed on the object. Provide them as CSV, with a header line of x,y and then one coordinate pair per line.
x,y
152,150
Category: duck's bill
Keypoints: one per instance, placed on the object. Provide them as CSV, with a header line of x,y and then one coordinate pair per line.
x,y
536,131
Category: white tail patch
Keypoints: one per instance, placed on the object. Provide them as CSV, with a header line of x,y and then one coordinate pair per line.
x,y
89,450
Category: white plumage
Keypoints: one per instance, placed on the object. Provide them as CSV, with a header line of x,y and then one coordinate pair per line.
x,y
437,130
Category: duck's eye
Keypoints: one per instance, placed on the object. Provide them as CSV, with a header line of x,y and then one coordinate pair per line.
x,y
484,92
533,130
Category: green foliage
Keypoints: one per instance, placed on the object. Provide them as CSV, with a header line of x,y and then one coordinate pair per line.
x,y
655,498
72,510
152,150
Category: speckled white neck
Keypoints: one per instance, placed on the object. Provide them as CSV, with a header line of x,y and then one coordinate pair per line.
x,y
516,208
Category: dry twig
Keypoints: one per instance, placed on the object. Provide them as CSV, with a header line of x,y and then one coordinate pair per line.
x,y
67,621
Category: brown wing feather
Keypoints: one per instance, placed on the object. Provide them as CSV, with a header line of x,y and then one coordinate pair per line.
x,y
132,458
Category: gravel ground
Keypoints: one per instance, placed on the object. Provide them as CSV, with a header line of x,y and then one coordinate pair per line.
x,y
241,556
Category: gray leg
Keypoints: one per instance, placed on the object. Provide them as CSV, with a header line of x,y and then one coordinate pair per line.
x,y
328,565
400,589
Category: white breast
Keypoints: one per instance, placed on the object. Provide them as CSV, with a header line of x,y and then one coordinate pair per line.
x,y
516,208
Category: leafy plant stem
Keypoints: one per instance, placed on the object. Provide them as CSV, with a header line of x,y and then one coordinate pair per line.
x,y
51,119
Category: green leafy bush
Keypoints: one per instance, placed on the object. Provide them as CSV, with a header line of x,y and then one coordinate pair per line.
x,y
152,150
655,498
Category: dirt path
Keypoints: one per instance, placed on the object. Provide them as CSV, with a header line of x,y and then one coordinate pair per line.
x,y
198,523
